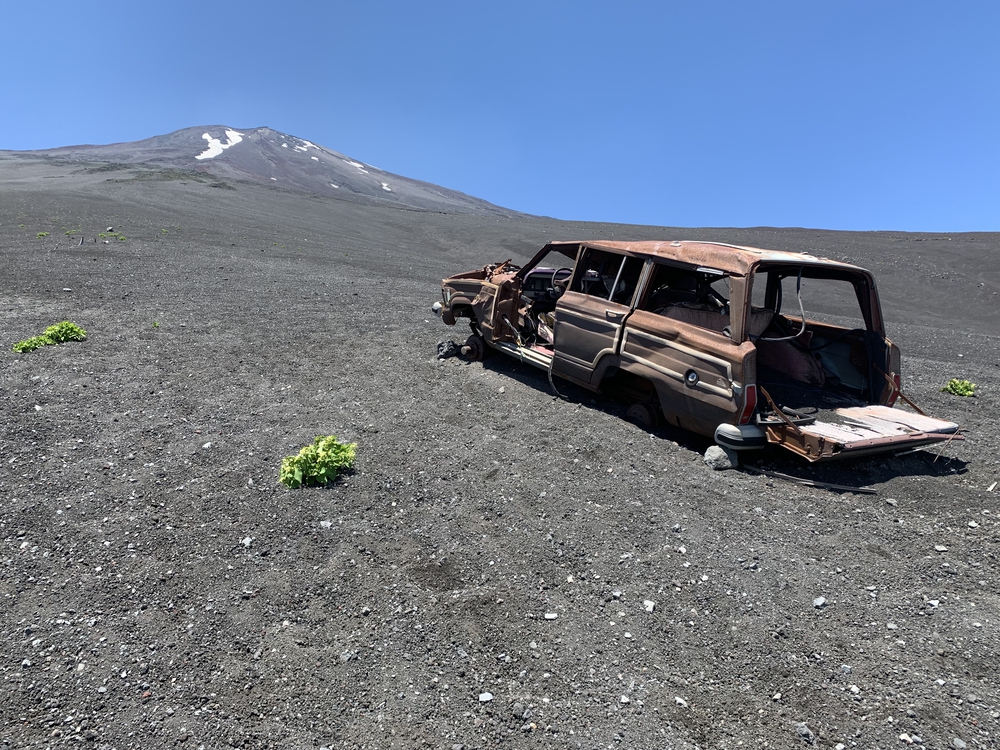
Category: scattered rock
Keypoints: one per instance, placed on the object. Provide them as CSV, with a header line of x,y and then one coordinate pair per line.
x,y
804,732
649,605
720,458
485,697
551,615
819,602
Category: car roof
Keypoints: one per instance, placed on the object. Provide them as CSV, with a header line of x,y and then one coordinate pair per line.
x,y
734,259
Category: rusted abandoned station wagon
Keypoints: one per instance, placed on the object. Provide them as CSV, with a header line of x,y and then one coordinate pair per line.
x,y
745,345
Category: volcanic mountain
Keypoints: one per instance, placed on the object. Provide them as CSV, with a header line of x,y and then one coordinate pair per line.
x,y
267,156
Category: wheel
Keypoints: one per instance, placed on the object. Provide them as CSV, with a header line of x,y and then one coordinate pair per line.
x,y
644,415
474,348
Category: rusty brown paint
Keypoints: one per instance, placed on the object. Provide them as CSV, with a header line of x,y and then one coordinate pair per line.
x,y
694,367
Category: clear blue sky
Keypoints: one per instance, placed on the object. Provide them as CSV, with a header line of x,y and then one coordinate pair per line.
x,y
855,114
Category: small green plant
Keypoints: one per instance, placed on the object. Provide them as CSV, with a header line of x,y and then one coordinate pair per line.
x,y
65,331
57,334
156,324
958,387
42,234
29,345
317,464
121,237
164,231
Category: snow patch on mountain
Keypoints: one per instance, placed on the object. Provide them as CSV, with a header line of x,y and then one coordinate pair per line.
x,y
360,167
216,146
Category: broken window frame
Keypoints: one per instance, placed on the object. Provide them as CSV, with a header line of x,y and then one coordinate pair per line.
x,y
707,275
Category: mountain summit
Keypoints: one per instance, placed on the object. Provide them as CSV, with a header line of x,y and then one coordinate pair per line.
x,y
266,156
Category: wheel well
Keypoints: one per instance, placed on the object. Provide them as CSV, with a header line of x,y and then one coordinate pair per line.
x,y
464,311
630,387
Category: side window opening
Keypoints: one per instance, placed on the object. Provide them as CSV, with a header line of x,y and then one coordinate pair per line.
x,y
830,301
781,297
544,280
811,335
693,296
607,276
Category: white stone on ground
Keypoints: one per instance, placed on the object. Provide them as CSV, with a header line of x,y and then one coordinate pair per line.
x,y
720,459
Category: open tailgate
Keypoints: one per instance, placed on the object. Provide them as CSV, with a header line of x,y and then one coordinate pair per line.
x,y
860,431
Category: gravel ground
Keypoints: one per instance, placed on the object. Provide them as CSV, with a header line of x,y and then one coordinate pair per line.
x,y
502,568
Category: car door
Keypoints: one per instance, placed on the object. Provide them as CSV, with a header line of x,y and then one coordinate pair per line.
x,y
679,338
591,313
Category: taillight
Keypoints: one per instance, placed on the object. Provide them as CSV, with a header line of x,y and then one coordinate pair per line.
x,y
896,384
749,403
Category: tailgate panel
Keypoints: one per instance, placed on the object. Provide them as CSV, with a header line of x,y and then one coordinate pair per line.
x,y
863,430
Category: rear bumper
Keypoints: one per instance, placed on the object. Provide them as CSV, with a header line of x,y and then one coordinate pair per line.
x,y
742,437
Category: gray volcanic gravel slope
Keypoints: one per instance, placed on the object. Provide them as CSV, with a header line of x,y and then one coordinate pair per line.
x,y
160,587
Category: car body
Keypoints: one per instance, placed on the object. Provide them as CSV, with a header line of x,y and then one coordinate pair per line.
x,y
710,337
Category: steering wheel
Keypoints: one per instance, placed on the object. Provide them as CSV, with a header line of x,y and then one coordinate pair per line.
x,y
557,292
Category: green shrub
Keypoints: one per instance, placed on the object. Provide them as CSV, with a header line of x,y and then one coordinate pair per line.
x,y
42,234
29,345
65,331
57,334
957,387
317,464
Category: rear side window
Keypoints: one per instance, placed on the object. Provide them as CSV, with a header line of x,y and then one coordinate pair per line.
x,y
689,295
833,301
607,275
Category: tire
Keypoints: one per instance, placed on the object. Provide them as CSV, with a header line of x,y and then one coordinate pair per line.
x,y
643,414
